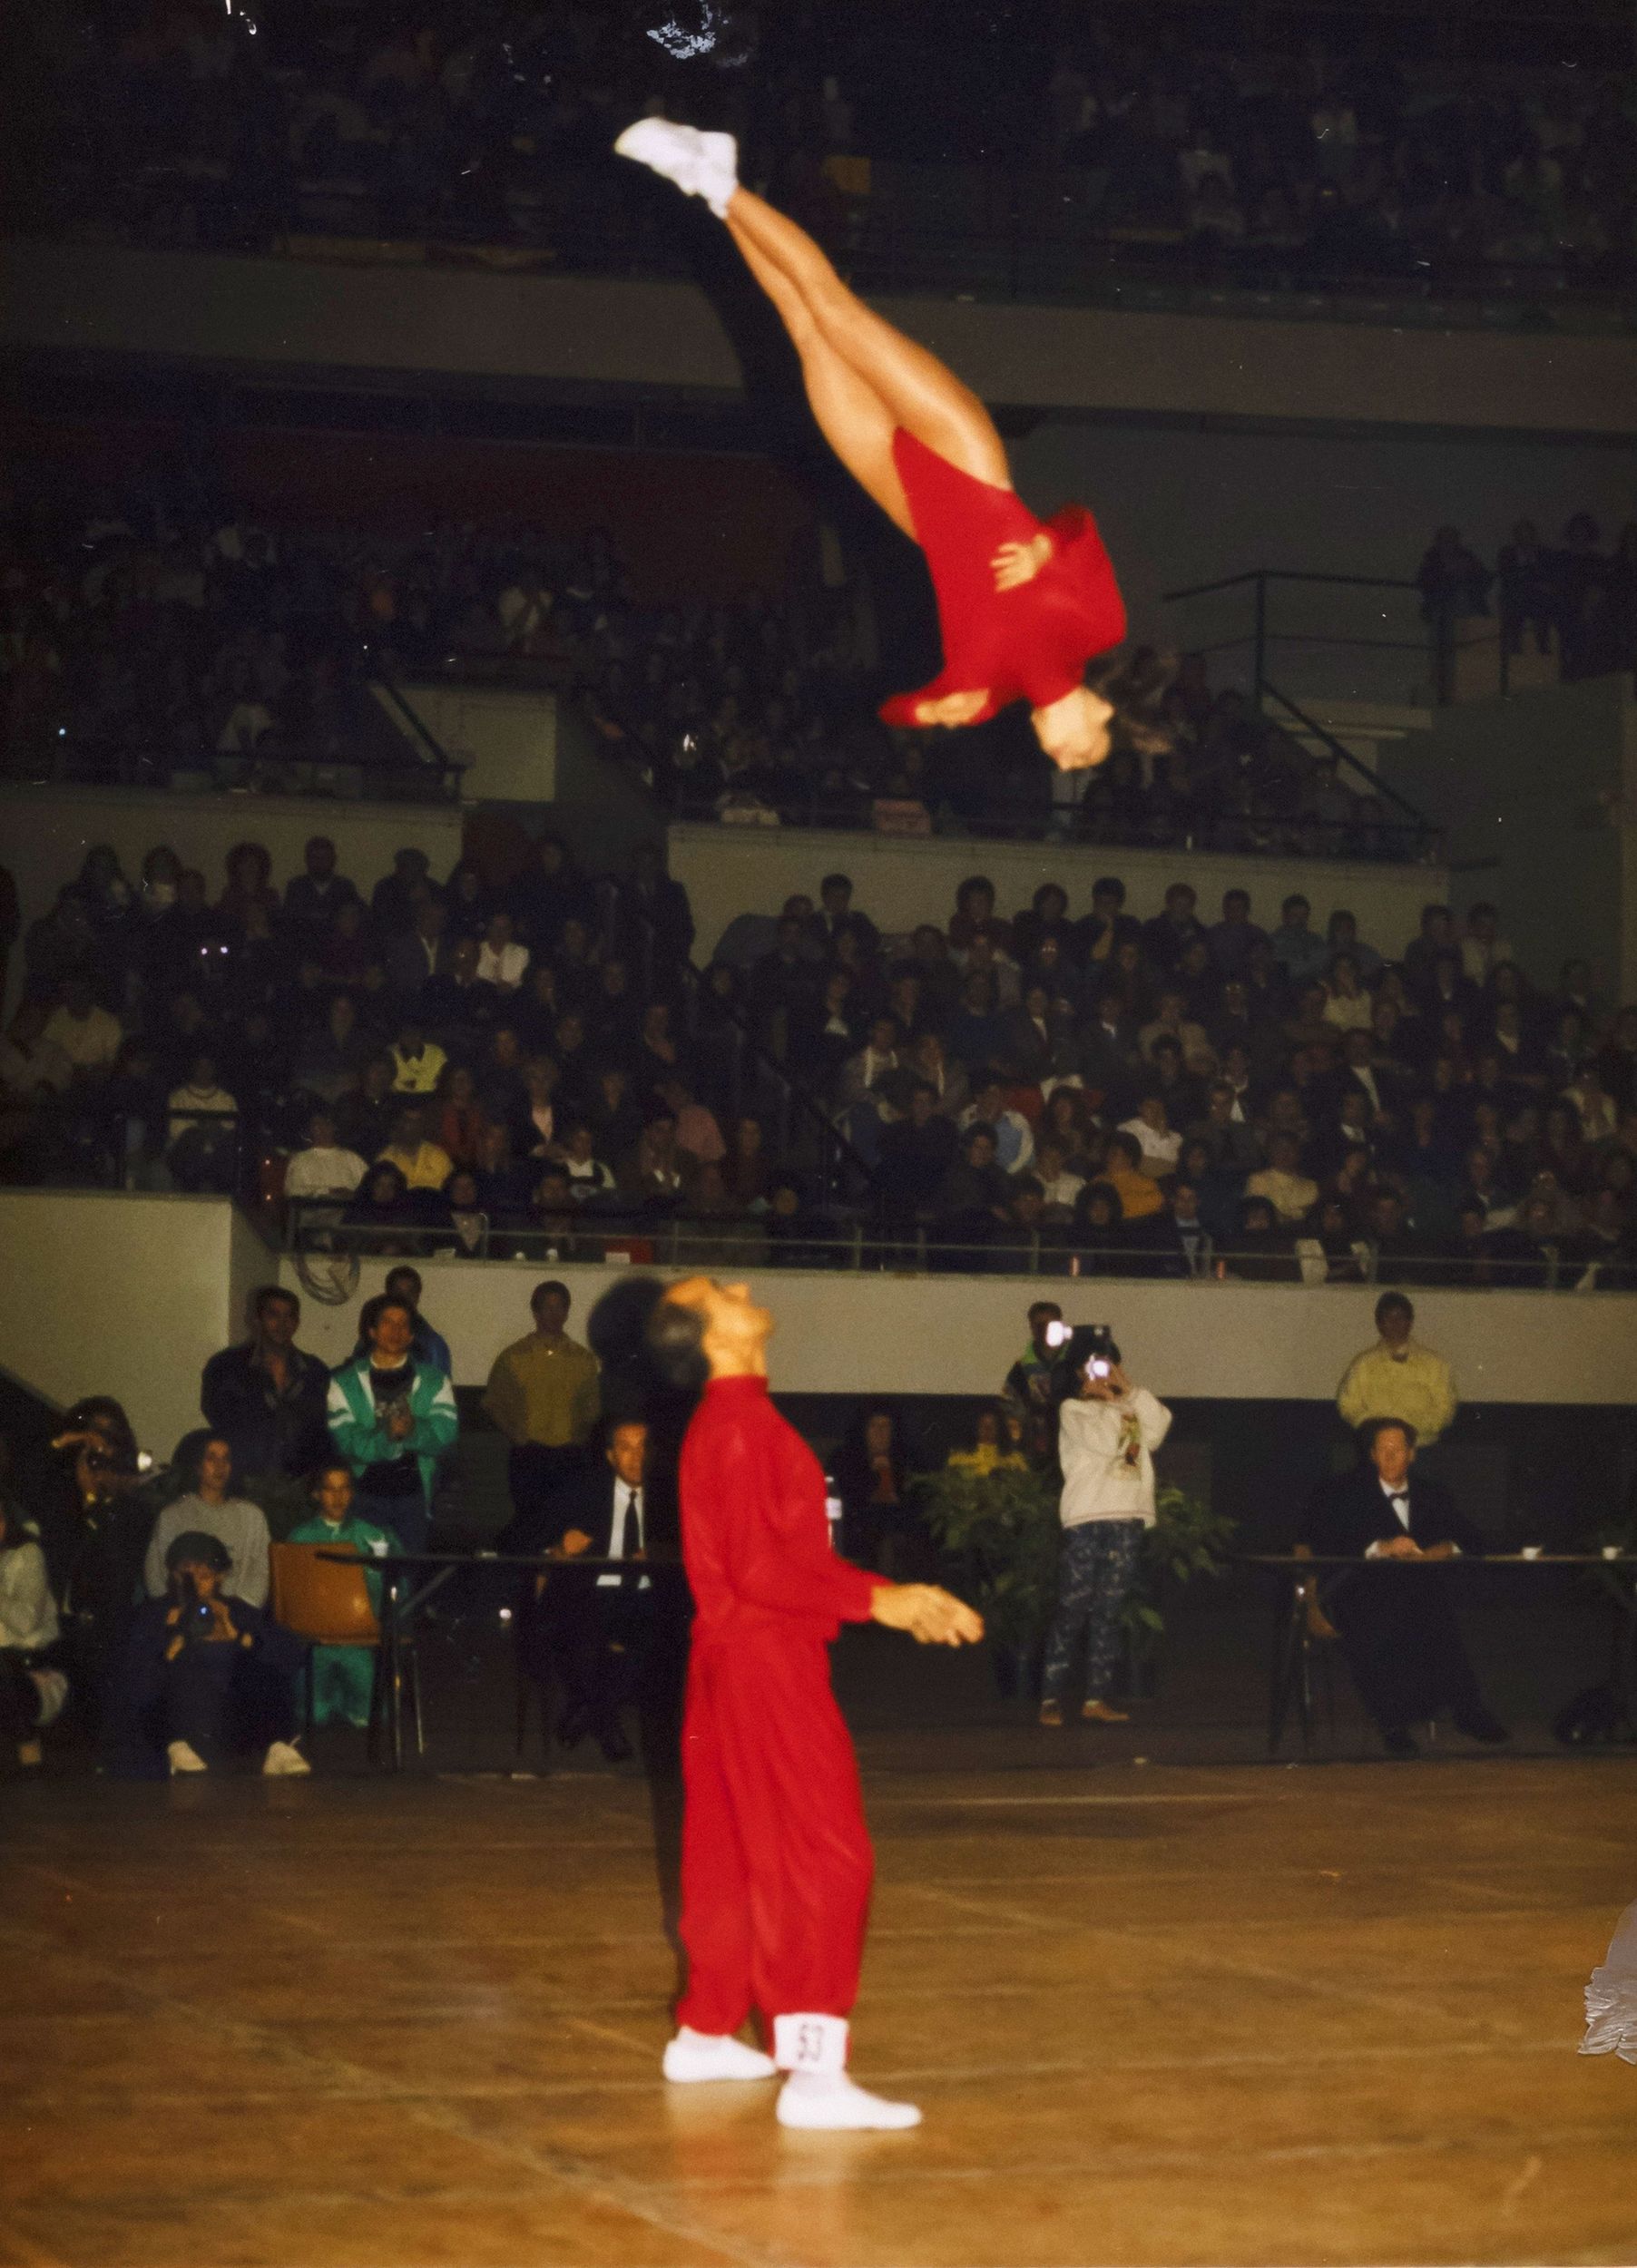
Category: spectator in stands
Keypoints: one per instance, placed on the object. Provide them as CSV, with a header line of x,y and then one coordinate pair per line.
x,y
203,1132
1483,948
996,1445
417,956
392,1418
544,1395
1302,956
916,1152
418,1063
1138,1192
1261,1249
394,898
267,1400
205,1679
838,917
422,1163
1233,936
33,1686
1291,1193
1013,1137
83,1034
1398,1377
1165,937
314,896
204,1465
343,1677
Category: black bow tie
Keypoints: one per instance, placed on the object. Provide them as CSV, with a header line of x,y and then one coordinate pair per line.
x,y
1399,1497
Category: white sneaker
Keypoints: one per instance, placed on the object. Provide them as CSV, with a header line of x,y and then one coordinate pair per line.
x,y
282,1761
830,2102
693,2056
701,165
185,1759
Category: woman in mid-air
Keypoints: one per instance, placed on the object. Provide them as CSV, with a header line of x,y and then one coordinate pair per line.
x,y
1024,604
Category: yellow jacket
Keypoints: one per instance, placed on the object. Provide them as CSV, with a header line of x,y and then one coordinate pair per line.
x,y
1413,1383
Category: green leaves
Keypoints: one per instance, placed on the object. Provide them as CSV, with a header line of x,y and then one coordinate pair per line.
x,y
1002,1528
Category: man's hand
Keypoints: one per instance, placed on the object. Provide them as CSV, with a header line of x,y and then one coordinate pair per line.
x,y
1400,1548
1439,1551
951,709
1017,563
400,1421
931,1616
574,1541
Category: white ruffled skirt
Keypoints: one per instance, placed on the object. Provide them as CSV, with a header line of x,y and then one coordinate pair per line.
x,y
1612,1996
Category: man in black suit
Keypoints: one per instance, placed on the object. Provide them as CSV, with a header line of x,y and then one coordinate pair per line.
x,y
1396,1624
418,954
596,1624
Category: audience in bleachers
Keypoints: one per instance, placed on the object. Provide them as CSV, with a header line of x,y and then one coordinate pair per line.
x,y
1114,143
1024,1091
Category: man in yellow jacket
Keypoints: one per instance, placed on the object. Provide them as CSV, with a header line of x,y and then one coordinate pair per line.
x,y
1398,1377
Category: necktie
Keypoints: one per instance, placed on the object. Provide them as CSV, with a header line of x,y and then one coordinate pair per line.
x,y
630,1531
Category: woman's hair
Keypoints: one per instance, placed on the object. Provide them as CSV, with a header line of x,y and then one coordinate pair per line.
x,y
189,1455
1100,1193
99,1410
675,1339
1135,684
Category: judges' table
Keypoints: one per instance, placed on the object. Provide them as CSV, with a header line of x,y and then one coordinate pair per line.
x,y
409,1578
1308,1578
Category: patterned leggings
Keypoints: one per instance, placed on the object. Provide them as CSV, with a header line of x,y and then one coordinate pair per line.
x,y
1096,1569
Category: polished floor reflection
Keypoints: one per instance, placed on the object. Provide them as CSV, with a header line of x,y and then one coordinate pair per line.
x,y
1161,2015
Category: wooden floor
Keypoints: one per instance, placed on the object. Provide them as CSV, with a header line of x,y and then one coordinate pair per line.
x,y
1153,2015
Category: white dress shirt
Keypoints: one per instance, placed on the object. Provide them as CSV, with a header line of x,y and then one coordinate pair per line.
x,y
504,968
624,1495
1399,1501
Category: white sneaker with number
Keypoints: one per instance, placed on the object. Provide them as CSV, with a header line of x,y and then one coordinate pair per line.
x,y
829,2103
184,1759
283,1762
692,2058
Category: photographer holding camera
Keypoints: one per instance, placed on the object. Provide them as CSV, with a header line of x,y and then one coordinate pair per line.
x,y
1108,1430
205,1677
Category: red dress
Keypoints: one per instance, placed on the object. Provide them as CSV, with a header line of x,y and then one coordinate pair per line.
x,y
776,1858
1030,643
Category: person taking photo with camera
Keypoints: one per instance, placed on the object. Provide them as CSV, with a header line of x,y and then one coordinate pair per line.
x,y
1108,1431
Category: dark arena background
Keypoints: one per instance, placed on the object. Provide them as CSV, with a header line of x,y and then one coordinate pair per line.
x,y
454,876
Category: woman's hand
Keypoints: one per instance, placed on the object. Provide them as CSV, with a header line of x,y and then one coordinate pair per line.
x,y
932,1617
1017,563
952,708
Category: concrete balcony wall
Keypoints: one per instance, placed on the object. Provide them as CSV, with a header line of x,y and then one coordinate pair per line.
x,y
898,882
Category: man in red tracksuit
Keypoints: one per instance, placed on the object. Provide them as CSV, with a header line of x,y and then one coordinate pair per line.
x,y
776,1858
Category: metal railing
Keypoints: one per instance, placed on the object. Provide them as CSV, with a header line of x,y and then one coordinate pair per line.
x,y
856,1242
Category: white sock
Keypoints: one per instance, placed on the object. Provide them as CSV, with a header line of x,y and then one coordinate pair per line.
x,y
701,165
184,1759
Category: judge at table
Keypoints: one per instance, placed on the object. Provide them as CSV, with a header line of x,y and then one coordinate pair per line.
x,y
1397,1623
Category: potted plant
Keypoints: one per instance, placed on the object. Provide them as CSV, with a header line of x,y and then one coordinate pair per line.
x,y
1001,1531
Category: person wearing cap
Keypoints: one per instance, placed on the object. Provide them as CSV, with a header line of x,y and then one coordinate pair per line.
x,y
206,1679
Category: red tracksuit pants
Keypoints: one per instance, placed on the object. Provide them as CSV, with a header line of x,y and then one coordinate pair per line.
x,y
776,1865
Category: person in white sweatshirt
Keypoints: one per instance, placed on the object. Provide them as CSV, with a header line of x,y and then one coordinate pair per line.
x,y
1107,1435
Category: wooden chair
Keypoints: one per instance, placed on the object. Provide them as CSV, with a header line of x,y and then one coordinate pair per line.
x,y
323,1603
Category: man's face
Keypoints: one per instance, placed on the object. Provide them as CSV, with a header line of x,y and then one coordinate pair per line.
x,y
1184,1202
335,1494
838,896
1041,1320
278,1321
627,1451
403,1286
551,1310
393,1334
1106,905
406,1129
1398,1321
1179,905
216,1465
1392,1455
1235,909
320,858
1296,916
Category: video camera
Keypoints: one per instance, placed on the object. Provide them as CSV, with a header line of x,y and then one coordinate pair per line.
x,y
1080,1350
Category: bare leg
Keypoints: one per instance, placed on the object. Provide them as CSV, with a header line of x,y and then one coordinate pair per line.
x,y
914,387
850,415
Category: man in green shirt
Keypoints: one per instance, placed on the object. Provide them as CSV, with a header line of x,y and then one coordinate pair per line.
x,y
343,1676
543,1394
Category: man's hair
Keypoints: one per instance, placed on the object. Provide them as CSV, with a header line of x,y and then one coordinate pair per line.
x,y
403,1273
1242,895
835,882
675,1339
1109,886
1044,1307
1294,899
1129,1148
371,1312
1370,1432
1393,1303
544,1291
322,1471
262,1298
1426,910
